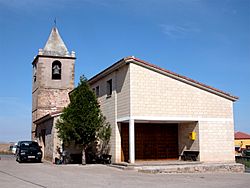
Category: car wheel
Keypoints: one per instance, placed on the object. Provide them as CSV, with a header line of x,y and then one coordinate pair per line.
x,y
19,159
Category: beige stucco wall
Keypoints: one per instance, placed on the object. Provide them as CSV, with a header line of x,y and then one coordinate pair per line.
x,y
115,106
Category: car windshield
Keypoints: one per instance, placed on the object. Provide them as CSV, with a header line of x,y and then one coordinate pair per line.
x,y
29,144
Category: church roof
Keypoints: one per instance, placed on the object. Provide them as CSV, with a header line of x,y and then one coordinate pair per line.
x,y
132,59
48,116
55,45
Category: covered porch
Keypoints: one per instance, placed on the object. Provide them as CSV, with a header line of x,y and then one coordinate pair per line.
x,y
156,141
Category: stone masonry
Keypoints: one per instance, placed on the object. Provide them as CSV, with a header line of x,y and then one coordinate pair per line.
x,y
50,95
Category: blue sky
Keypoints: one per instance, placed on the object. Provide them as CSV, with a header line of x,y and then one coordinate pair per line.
x,y
206,40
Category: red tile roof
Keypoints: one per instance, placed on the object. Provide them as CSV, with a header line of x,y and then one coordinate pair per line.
x,y
48,116
240,135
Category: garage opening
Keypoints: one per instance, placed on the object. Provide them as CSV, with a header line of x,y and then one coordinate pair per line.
x,y
152,141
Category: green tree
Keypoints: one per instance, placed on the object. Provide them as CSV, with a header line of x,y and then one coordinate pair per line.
x,y
82,121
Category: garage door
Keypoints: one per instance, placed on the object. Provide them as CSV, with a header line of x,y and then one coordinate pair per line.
x,y
152,141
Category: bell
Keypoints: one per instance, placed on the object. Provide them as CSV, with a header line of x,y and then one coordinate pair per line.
x,y
56,69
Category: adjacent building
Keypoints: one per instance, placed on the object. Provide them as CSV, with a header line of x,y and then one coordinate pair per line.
x,y
155,114
241,141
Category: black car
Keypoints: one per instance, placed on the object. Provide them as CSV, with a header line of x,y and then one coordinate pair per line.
x,y
28,151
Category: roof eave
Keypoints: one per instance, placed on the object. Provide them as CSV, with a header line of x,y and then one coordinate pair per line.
x,y
132,59
107,71
47,117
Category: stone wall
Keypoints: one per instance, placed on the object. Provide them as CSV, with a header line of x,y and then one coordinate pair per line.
x,y
47,143
44,73
50,95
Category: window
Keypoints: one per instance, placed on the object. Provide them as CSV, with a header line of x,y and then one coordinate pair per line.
x,y
97,91
109,88
56,70
34,72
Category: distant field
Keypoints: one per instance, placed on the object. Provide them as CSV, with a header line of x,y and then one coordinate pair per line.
x,y
4,148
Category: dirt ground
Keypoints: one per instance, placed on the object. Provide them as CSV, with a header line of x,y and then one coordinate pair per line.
x,y
4,147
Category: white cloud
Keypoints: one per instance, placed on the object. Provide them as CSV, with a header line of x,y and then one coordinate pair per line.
x,y
178,31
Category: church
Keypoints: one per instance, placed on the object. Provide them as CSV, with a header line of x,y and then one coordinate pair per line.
x,y
155,114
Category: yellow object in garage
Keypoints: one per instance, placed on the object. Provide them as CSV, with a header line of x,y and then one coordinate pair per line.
x,y
192,135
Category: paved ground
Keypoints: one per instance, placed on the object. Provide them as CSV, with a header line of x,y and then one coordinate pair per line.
x,y
13,174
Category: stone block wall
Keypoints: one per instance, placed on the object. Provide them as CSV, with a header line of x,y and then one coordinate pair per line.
x,y
52,99
50,95
44,73
155,94
216,141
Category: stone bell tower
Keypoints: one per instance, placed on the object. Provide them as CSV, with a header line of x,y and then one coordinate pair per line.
x,y
53,78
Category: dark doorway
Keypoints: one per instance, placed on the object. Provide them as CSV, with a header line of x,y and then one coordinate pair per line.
x,y
152,141
43,132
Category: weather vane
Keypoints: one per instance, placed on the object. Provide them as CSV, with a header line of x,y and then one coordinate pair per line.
x,y
55,22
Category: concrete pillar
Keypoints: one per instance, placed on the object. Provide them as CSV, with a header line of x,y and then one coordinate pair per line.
x,y
132,141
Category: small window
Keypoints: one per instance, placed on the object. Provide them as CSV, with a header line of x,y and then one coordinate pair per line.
x,y
56,70
34,72
109,88
97,91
